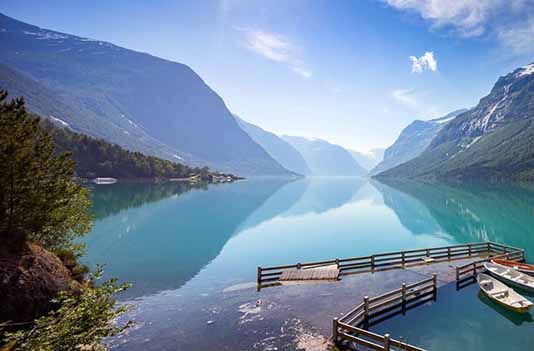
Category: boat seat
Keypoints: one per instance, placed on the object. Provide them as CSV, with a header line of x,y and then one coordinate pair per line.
x,y
498,292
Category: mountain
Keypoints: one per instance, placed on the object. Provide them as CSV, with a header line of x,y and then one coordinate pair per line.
x,y
279,149
98,158
492,141
412,141
325,159
139,101
368,160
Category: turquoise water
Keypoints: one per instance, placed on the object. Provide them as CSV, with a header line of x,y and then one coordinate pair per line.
x,y
184,249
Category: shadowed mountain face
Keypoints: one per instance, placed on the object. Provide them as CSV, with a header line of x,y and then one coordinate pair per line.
x,y
494,140
325,159
136,100
159,236
279,149
468,213
412,141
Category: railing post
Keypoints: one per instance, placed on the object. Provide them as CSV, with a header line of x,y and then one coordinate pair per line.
x,y
259,275
457,274
449,253
522,255
488,248
435,285
366,309
373,262
474,268
427,253
337,263
299,265
334,331
469,249
403,258
387,342
403,293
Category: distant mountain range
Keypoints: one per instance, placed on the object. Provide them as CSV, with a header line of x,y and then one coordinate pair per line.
x,y
493,141
412,141
324,158
283,152
136,100
368,160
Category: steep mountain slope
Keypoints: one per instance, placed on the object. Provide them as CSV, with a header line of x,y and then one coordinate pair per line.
x,y
412,141
494,140
283,152
119,94
368,160
325,159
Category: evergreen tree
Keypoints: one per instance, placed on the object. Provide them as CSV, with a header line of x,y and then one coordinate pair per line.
x,y
38,199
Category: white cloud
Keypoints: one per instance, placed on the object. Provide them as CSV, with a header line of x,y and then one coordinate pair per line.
x,y
425,62
406,97
275,47
509,21
302,72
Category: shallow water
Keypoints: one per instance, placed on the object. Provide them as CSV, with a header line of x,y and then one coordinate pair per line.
x,y
192,254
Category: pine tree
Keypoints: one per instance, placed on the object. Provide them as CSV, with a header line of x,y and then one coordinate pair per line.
x,y
38,199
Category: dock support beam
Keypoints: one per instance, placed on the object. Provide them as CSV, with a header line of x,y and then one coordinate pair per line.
x,y
334,331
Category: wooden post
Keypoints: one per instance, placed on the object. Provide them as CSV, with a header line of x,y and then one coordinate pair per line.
x,y
457,274
469,248
298,265
366,309
488,248
403,293
474,268
334,331
337,263
373,262
403,258
427,253
449,253
259,275
435,284
522,255
387,342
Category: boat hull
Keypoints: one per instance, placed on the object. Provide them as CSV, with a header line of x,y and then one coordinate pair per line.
x,y
520,267
508,281
511,308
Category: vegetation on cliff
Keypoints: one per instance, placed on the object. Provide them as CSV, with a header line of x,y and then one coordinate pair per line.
x,y
42,210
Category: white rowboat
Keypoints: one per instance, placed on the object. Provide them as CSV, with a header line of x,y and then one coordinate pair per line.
x,y
502,294
511,276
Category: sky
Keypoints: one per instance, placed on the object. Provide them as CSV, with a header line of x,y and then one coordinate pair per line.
x,y
353,72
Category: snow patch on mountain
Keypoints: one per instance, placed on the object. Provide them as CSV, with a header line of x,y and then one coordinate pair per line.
x,y
45,35
60,121
526,70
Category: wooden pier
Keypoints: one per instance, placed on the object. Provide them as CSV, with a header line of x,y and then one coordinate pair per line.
x,y
402,259
352,330
353,326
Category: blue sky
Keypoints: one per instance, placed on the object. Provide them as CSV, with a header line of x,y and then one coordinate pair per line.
x,y
352,72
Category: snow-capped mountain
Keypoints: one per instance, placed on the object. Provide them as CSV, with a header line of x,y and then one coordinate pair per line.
x,y
494,140
412,141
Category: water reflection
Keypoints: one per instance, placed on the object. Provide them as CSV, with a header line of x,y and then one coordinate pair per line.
x,y
162,244
466,212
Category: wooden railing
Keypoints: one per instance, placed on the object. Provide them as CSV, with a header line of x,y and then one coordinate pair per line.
x,y
349,327
470,270
392,260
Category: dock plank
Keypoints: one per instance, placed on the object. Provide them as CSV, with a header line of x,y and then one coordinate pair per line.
x,y
326,273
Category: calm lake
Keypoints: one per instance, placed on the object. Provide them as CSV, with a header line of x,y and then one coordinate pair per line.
x,y
191,255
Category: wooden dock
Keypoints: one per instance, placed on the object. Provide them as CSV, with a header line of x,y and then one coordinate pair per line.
x,y
329,273
352,329
268,276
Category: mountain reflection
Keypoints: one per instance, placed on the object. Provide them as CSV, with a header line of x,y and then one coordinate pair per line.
x,y
158,237
466,212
